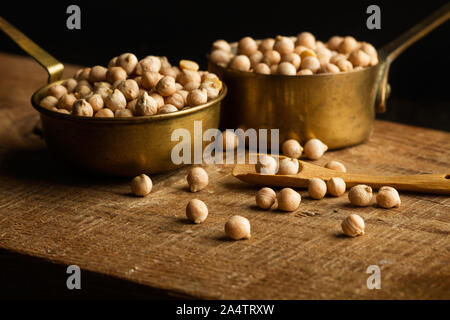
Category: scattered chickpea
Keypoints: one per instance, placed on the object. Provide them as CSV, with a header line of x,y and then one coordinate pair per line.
x,y
266,165
292,148
197,97
314,149
241,63
237,228
97,74
49,102
336,186
230,140
167,108
265,198
196,211
141,185
336,165
288,200
146,105
116,100
388,197
317,188
128,62
360,195
247,46
104,113
288,166
311,63
262,68
82,108
286,68
66,101
353,226
57,91
197,179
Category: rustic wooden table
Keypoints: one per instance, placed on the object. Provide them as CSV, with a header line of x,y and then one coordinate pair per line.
x,y
51,212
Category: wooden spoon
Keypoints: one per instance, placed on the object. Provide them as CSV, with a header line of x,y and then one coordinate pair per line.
x,y
426,183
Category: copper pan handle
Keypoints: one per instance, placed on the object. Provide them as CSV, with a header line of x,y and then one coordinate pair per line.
x,y
53,67
393,49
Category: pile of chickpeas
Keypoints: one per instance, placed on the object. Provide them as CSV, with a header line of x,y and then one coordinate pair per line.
x,y
301,55
130,87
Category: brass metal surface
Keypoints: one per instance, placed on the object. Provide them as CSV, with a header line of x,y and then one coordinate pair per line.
x,y
338,109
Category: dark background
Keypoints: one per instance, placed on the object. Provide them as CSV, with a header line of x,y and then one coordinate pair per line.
x,y
185,29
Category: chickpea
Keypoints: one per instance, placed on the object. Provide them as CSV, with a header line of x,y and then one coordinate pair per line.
x,y
344,65
292,148
102,84
164,62
66,101
286,68
369,49
82,108
57,91
288,166
220,57
167,108
187,76
336,165
128,62
306,39
324,55
150,79
112,62
146,105
266,165
197,179
347,45
273,69
230,140
305,72
104,113
314,149
197,97
211,91
103,92
360,195
189,65
196,211
317,188
265,198
334,59
256,58
240,62
334,42
288,200
70,85
283,45
123,113
176,100
159,99
311,63
373,61
82,74
388,197
307,53
329,68
171,71
336,186
221,45
266,45
271,57
191,86
116,100
141,185
359,58
292,58
247,46
262,68
63,111
150,63
299,49
353,226
131,105
166,86
115,73
48,102
82,91
97,74
129,88
237,228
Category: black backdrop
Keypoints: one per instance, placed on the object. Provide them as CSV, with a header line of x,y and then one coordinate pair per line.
x,y
185,29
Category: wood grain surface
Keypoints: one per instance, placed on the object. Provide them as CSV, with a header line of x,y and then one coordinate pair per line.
x,y
50,211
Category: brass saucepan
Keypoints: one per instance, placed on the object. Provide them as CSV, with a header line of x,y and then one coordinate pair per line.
x,y
113,146
338,109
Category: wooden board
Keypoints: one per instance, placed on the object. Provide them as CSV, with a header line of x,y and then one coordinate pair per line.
x,y
49,211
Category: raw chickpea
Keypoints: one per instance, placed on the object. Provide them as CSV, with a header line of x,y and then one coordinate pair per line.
x,y
197,179
360,195
103,92
256,58
388,197
208,76
49,102
273,69
334,42
334,59
373,61
230,140
307,53
97,74
189,65
358,68
262,68
314,149
167,108
159,99
336,186
196,211
66,101
359,58
317,188
164,62
116,73
70,85
129,88
63,111
104,113
82,108
305,72
266,165
178,86
344,65
187,76
306,39
166,86
288,200
265,198
171,71
146,105
102,84
299,49
237,228
123,113
292,149
221,45
336,165
116,100
82,91
271,57
329,68
57,91
240,62
283,45
82,74
286,68
176,100
211,91
311,63
369,49
150,79
141,185
247,46
197,97
220,57
131,105
288,166
112,62
128,62
292,58
347,45
150,63
324,55
266,45
353,226
191,86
